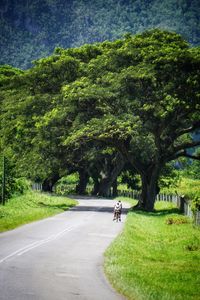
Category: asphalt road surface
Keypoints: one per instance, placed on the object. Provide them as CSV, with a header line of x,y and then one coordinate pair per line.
x,y
61,257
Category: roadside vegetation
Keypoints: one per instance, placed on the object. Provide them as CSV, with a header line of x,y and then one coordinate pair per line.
x,y
156,256
185,186
30,207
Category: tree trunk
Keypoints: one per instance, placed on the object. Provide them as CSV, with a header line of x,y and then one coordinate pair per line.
x,y
104,187
111,177
114,186
149,178
149,190
96,186
83,181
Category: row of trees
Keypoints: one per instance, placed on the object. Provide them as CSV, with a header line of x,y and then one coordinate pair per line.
x,y
130,104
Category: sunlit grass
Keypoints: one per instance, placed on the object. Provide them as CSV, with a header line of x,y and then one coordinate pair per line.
x,y
30,207
152,260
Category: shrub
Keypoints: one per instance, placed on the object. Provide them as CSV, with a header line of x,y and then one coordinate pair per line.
x,y
177,220
14,185
67,184
192,247
21,185
195,203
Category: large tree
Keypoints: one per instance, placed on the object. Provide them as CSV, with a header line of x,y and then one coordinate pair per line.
x,y
29,133
142,97
32,119
139,95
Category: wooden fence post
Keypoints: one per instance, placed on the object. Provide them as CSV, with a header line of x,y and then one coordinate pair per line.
x,y
182,202
197,218
3,180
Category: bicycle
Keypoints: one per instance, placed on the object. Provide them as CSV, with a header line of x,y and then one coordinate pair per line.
x,y
117,216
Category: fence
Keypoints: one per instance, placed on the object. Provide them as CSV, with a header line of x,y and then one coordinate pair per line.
x,y
183,204
36,186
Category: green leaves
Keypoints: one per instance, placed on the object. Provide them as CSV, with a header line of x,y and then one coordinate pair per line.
x,y
139,95
50,73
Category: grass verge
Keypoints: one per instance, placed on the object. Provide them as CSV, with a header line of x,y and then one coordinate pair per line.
x,y
154,259
31,207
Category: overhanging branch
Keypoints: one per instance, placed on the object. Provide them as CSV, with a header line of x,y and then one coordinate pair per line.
x,y
186,146
183,131
192,156
130,157
183,153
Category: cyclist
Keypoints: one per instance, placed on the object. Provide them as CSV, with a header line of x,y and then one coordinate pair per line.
x,y
117,208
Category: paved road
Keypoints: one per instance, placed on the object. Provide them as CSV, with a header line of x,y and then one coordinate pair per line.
x,y
60,258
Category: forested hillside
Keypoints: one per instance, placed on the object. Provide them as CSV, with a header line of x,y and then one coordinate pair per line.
x,y
33,28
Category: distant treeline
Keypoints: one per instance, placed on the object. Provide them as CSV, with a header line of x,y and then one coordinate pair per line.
x,y
31,29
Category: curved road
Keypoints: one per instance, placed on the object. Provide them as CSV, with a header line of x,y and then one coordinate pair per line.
x,y
61,257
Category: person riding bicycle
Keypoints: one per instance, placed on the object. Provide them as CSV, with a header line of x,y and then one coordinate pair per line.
x,y
117,209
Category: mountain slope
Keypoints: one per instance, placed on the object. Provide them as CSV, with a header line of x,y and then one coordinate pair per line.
x,y
33,28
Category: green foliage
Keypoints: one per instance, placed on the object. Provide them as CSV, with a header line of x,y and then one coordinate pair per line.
x,y
193,244
191,168
49,73
21,186
30,30
14,185
152,260
184,186
131,179
177,220
135,97
6,72
69,179
130,95
196,203
187,187
67,184
170,177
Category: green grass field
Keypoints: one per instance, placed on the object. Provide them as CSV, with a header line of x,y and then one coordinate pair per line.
x,y
154,260
30,207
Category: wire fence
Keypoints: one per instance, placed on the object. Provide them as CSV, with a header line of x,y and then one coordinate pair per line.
x,y
180,201
36,186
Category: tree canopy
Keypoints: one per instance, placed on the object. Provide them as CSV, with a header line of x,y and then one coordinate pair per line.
x,y
138,95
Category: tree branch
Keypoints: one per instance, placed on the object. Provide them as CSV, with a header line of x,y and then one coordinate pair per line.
x,y
183,153
186,146
135,163
189,129
192,156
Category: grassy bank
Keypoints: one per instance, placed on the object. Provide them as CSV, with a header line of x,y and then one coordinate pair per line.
x,y
30,207
154,260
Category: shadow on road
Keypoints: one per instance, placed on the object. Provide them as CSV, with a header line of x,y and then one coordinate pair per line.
x,y
59,206
105,209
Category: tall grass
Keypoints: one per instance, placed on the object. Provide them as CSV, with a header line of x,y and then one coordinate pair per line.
x,y
152,260
30,207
